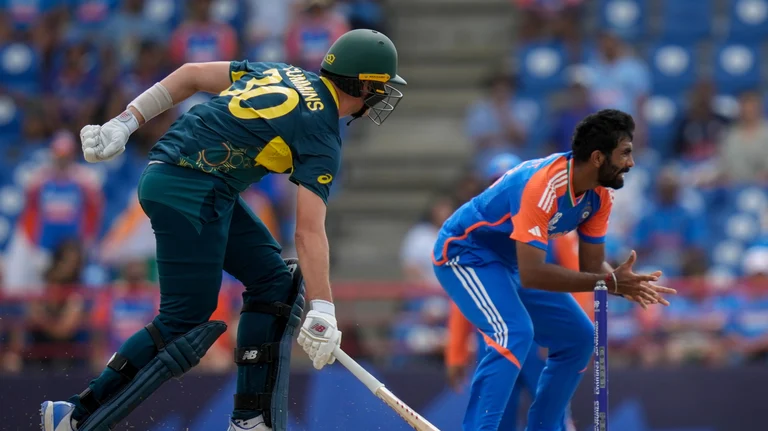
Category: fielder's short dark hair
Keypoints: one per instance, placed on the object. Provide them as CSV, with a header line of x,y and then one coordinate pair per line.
x,y
601,131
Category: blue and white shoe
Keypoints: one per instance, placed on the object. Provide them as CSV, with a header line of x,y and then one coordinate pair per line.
x,y
255,424
57,416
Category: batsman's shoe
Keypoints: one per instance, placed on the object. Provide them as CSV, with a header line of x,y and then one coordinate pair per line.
x,y
56,416
255,424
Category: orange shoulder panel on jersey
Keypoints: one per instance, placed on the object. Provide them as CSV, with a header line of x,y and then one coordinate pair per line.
x,y
597,225
538,203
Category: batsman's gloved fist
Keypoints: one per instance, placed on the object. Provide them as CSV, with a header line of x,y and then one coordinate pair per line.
x,y
101,143
319,335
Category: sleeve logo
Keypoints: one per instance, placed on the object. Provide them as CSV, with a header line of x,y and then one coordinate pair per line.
x,y
325,178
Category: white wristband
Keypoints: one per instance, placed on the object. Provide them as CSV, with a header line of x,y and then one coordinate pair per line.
x,y
130,120
323,306
153,102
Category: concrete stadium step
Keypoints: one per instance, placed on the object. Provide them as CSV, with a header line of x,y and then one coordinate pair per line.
x,y
406,136
389,203
450,102
424,176
471,35
446,76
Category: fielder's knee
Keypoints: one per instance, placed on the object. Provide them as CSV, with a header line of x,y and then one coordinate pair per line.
x,y
512,340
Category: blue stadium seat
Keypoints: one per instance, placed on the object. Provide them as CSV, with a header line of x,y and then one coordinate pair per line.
x,y
672,68
742,227
748,20
728,254
541,68
737,68
11,119
626,18
686,21
167,13
20,68
662,113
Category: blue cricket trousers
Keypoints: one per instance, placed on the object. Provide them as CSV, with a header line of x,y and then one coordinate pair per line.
x,y
511,318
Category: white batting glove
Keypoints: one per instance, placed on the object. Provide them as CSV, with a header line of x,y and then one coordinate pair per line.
x,y
101,143
319,335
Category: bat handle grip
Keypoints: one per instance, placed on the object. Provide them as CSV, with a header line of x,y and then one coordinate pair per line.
x,y
364,376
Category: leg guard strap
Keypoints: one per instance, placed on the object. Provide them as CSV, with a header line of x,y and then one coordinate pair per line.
x,y
173,360
261,402
277,308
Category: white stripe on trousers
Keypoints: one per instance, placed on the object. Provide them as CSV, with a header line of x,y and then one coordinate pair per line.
x,y
469,279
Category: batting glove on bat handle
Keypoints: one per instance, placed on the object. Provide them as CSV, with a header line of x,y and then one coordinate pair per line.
x,y
319,335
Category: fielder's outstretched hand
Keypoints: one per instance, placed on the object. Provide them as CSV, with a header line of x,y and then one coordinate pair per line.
x,y
101,143
639,287
319,335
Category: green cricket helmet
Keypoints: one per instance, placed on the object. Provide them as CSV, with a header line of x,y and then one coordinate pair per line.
x,y
362,63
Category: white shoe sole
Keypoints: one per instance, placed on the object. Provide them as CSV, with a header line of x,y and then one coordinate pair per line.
x,y
46,416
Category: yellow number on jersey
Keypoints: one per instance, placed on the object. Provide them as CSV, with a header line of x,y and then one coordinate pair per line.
x,y
258,87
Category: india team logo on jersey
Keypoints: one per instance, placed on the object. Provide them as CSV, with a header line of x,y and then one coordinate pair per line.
x,y
587,211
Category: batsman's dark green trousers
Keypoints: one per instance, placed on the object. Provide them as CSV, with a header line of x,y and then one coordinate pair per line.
x,y
201,228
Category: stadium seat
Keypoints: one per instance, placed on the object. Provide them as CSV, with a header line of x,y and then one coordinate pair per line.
x,y
167,13
742,227
10,121
696,15
541,68
752,199
748,20
662,114
726,105
672,68
626,18
20,68
728,254
737,68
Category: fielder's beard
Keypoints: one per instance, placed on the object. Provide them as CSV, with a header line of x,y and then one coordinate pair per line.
x,y
609,175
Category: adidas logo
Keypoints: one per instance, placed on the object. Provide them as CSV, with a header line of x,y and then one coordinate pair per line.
x,y
535,231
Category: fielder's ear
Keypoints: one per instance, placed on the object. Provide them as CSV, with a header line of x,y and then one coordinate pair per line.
x,y
597,158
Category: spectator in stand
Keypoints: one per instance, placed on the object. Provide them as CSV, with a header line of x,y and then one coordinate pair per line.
x,y
693,326
618,79
55,321
491,123
312,33
744,149
417,245
668,234
74,92
63,202
701,130
200,38
122,309
577,106
747,329
129,32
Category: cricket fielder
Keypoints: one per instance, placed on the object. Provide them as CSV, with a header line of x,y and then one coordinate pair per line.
x,y
490,257
266,118
561,251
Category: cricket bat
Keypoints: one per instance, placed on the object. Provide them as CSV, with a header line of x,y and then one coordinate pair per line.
x,y
408,414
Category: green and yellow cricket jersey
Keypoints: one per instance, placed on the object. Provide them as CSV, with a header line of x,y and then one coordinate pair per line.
x,y
274,118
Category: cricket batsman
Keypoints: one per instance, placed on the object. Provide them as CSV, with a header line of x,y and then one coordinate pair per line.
x,y
491,258
265,118
561,251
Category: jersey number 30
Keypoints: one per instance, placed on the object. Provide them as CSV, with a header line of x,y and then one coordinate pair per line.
x,y
260,87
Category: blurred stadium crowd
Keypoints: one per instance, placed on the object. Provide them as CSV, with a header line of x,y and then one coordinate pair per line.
x,y
695,205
